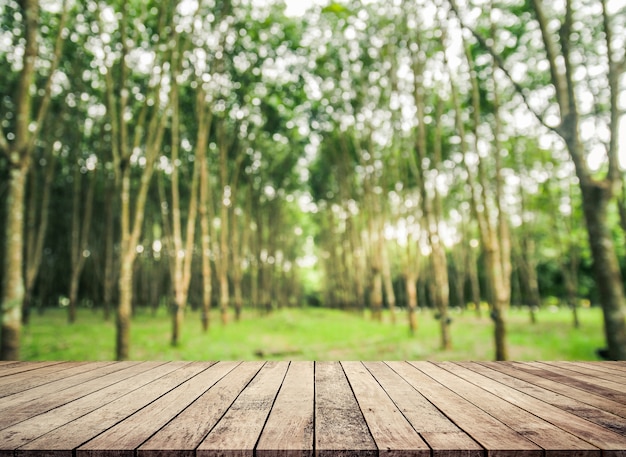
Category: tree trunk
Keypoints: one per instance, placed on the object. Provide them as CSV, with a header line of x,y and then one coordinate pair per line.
x,y
376,295
388,284
124,309
605,268
182,259
430,202
19,154
472,272
36,232
13,282
410,280
205,216
109,242
80,237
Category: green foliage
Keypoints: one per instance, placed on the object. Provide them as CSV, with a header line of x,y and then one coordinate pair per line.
x,y
337,9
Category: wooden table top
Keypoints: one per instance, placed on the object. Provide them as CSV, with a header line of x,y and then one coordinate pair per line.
x,y
298,409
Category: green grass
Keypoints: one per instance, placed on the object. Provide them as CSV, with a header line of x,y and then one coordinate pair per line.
x,y
314,334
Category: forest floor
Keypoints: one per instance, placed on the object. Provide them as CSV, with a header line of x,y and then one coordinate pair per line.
x,y
315,334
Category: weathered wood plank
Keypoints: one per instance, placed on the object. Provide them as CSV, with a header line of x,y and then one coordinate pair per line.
x,y
340,429
63,440
39,425
393,434
615,381
237,433
604,367
439,432
610,442
289,428
551,438
23,374
618,365
580,405
493,435
589,398
125,436
570,378
38,400
27,380
20,367
185,432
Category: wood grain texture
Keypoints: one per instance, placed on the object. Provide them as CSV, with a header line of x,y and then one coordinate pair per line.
x,y
125,436
63,440
289,428
443,436
182,435
340,429
37,426
393,434
313,409
29,379
570,378
599,401
543,433
611,381
496,438
238,431
12,368
24,405
597,414
607,440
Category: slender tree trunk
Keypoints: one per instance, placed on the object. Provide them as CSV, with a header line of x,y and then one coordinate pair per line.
x,y
19,157
376,295
80,237
472,272
430,202
13,282
410,279
606,269
494,231
388,284
528,276
124,309
36,231
109,247
182,259
205,219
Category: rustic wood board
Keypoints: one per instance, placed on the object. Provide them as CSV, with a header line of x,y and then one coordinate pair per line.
x,y
289,428
182,435
313,409
238,431
607,440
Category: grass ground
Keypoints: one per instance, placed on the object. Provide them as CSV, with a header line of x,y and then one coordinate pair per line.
x,y
314,334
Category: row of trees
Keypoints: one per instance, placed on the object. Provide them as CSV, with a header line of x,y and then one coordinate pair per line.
x,y
223,154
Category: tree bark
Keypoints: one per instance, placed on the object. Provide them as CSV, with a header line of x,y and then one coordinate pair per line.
x,y
109,248
431,204
79,237
182,257
606,268
18,154
13,282
36,230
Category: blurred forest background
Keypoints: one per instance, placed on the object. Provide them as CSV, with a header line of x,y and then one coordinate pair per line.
x,y
224,159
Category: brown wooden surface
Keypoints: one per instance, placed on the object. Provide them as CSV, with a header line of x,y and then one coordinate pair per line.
x,y
311,409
